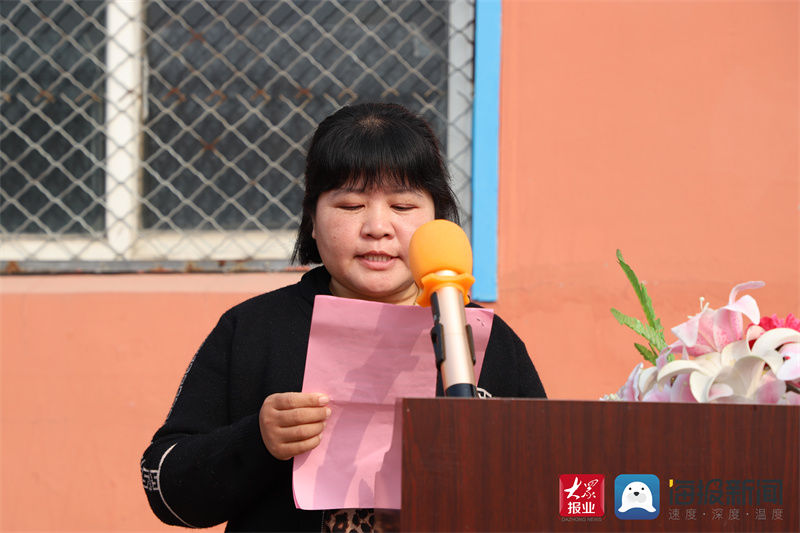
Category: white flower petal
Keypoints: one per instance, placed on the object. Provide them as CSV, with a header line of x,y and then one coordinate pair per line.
x,y
674,368
749,370
774,360
774,338
790,349
733,352
700,384
753,332
789,370
647,379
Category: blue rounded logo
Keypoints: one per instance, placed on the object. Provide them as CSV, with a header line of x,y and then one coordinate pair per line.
x,y
637,497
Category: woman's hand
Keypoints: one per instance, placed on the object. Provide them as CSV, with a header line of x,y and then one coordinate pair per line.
x,y
291,422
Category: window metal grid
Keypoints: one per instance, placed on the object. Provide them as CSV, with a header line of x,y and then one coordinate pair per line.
x,y
169,135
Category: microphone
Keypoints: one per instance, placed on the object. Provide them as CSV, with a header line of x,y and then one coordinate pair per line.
x,y
440,257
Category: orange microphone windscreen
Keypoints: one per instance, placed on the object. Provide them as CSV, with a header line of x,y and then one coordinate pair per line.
x,y
439,245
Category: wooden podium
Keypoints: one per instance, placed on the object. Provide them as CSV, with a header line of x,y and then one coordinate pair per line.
x,y
495,464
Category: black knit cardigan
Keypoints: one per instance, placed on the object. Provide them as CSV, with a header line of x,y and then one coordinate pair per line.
x,y
207,464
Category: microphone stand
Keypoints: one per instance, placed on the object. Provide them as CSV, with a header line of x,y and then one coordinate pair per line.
x,y
456,390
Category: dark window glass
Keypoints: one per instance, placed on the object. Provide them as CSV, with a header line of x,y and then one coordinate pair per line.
x,y
52,117
235,90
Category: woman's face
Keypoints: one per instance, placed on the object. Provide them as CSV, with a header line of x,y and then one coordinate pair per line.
x,y
363,237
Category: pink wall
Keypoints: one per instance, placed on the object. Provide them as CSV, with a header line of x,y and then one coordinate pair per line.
x,y
669,130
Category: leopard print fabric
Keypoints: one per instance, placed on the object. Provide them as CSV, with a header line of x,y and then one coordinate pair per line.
x,y
349,521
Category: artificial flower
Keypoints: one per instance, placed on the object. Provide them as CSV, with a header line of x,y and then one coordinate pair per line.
x,y
772,322
722,361
710,330
738,373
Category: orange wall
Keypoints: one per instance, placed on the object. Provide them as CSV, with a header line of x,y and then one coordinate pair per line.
x,y
90,365
669,130
666,129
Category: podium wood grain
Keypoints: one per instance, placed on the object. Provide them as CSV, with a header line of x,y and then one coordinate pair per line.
x,y
494,465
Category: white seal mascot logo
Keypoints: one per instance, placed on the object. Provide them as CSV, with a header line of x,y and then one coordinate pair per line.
x,y
637,495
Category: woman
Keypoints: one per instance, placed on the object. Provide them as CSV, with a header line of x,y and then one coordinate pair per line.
x,y
374,174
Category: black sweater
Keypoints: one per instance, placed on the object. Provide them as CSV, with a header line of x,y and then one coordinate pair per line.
x,y
207,464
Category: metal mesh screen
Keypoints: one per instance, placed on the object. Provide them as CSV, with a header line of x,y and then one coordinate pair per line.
x,y
171,134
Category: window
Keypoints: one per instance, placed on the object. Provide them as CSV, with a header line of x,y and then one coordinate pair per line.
x,y
154,134
52,118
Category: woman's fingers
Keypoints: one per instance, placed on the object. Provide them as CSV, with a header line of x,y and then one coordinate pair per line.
x,y
292,449
291,422
300,433
294,400
301,416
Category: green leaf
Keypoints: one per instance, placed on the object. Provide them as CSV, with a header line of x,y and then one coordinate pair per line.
x,y
652,336
658,341
646,352
641,291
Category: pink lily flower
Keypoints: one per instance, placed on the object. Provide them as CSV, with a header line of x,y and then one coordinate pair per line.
x,y
771,391
792,398
629,392
711,330
790,371
639,381
678,390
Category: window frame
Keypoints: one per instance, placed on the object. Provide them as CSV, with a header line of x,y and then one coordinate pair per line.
x,y
123,238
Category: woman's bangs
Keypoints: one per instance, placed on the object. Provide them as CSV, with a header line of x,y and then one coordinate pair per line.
x,y
381,179
385,164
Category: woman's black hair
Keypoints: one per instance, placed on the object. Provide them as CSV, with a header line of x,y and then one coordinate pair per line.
x,y
365,146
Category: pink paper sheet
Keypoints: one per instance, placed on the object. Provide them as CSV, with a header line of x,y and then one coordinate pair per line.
x,y
365,355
